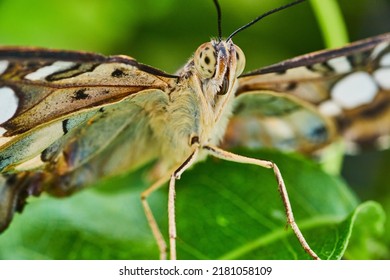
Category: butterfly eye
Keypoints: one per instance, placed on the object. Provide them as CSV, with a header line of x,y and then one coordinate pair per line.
x,y
205,61
240,61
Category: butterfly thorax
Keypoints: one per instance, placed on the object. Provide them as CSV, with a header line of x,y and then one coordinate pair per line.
x,y
200,106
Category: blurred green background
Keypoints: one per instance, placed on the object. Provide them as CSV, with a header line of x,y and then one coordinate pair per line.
x,y
165,33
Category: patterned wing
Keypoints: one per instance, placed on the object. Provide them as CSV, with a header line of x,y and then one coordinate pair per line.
x,y
44,85
70,118
345,90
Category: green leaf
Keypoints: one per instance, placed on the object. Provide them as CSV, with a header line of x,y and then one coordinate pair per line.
x,y
249,218
368,230
224,210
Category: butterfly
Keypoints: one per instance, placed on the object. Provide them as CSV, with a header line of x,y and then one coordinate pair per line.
x,y
68,118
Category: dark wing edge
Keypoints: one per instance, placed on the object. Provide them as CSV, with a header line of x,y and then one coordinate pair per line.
x,y
44,54
322,56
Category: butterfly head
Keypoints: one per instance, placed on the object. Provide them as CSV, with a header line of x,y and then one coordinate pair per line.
x,y
217,64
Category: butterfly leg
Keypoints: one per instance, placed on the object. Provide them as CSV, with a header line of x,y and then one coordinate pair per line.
x,y
222,154
171,201
162,246
171,176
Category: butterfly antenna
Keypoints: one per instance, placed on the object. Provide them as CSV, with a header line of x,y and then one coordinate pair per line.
x,y
263,16
219,14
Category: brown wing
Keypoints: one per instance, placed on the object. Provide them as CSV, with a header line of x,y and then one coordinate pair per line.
x,y
349,86
68,118
51,84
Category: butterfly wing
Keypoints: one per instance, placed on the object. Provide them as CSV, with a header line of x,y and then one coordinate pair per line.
x,y
70,118
38,81
345,90
271,119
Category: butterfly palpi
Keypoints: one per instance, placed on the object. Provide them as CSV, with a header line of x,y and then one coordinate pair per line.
x,y
68,118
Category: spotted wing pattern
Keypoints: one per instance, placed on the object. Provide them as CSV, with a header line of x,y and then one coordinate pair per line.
x,y
64,117
344,92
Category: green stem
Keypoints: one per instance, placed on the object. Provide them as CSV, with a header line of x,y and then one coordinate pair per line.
x,y
330,19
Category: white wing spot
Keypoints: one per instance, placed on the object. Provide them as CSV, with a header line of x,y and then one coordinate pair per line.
x,y
382,77
329,108
43,72
340,64
44,137
378,49
2,131
31,164
8,104
281,133
354,90
385,60
3,66
383,142
4,140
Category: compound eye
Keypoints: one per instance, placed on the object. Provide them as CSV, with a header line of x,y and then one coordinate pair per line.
x,y
240,61
205,60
